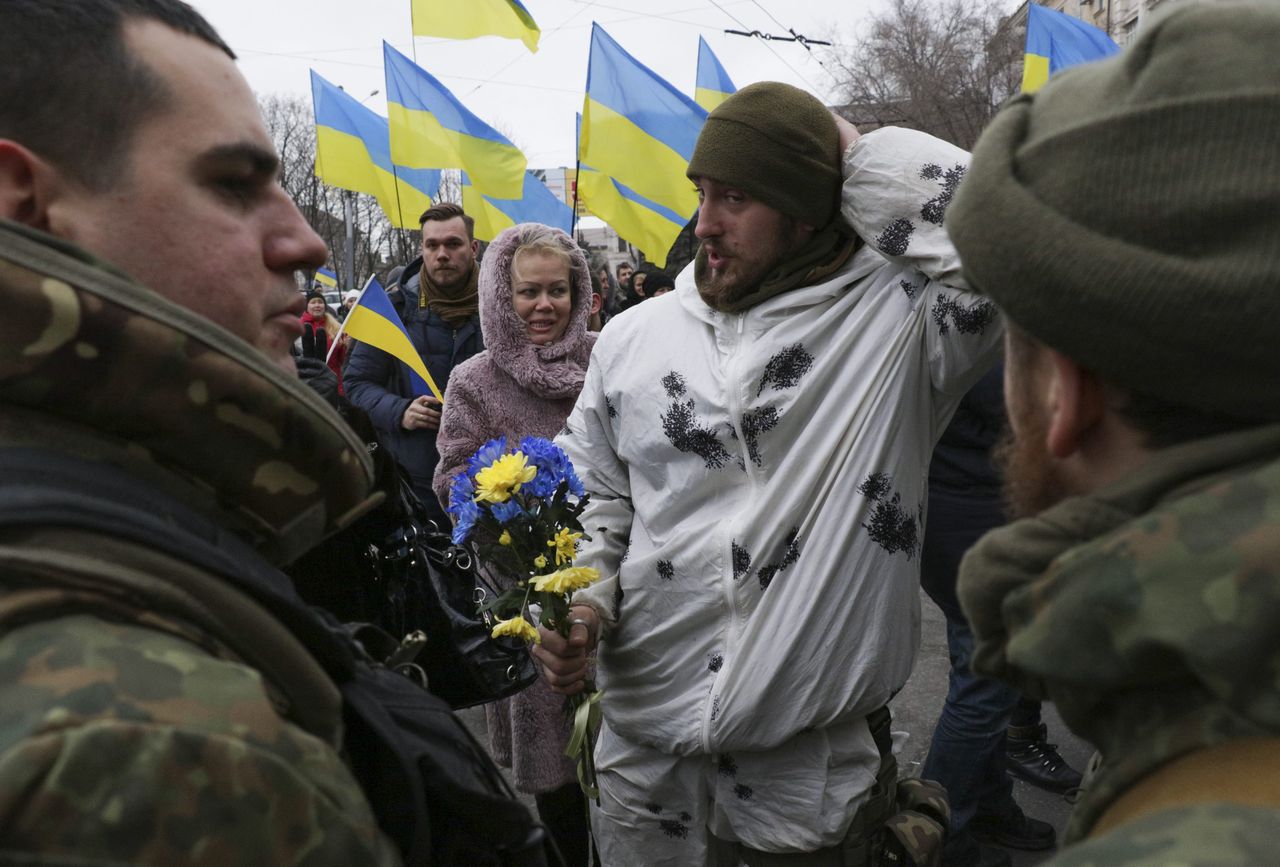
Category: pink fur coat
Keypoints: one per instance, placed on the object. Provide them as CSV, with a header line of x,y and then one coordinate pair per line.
x,y
516,389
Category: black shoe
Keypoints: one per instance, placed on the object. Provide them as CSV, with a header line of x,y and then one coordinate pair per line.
x,y
1016,830
1032,758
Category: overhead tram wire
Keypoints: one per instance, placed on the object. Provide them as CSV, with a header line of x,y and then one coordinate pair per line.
x,y
767,44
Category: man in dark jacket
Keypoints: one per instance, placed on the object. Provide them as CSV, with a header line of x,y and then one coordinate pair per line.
x,y
440,309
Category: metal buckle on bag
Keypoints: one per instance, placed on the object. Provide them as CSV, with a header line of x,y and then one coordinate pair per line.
x,y
410,646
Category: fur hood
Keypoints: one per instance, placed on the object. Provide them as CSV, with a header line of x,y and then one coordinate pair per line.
x,y
556,370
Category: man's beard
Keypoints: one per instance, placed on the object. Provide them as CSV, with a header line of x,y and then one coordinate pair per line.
x,y
723,291
1032,481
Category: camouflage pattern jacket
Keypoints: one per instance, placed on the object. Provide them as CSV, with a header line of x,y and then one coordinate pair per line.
x,y
1150,612
129,735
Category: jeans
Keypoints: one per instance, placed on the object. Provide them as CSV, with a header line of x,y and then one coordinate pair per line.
x,y
966,754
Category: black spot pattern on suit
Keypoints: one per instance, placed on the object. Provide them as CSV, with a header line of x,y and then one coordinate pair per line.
x,y
790,555
741,560
715,708
566,430
610,408
755,423
666,570
896,236
653,807
673,385
743,792
715,662
891,526
617,602
727,766
909,288
673,829
934,209
786,369
967,320
682,429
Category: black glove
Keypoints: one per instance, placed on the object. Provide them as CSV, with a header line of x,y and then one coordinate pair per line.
x,y
312,368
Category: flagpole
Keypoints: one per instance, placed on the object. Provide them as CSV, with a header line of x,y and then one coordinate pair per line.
x,y
343,327
573,222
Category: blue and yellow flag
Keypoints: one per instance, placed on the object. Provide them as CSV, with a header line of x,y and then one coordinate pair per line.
x,y
712,85
353,152
325,277
374,321
1056,41
646,224
637,128
430,129
537,205
472,18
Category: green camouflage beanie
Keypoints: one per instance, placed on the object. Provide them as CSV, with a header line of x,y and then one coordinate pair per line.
x,y
778,144
1128,214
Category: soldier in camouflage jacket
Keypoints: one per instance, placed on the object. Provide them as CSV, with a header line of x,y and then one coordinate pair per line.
x,y
133,730
1140,272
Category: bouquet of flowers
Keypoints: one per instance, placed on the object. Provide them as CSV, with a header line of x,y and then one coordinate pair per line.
x,y
518,512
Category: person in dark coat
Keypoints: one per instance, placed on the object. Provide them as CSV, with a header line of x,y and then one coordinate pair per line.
x,y
439,306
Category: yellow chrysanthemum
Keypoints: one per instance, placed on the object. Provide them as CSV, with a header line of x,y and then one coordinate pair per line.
x,y
502,478
566,580
566,545
505,538
540,562
519,627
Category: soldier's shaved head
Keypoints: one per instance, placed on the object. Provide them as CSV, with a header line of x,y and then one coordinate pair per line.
x,y
71,91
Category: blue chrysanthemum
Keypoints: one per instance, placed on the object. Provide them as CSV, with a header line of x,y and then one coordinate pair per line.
x,y
553,467
506,512
463,508
486,455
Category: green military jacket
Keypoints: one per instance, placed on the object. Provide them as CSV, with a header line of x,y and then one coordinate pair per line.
x,y
128,736
1150,613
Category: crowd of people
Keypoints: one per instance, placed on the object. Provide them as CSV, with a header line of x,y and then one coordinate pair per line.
x,y
883,344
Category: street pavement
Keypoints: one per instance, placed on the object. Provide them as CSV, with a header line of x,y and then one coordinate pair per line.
x,y
916,709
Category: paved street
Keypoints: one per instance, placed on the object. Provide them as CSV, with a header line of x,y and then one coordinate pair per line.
x,y
916,710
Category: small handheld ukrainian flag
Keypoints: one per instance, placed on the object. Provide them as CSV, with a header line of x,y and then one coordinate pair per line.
x,y
712,86
431,129
1056,41
325,277
472,18
374,321
353,152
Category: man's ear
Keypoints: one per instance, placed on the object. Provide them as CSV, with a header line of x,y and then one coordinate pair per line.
x,y
24,185
596,303
1077,404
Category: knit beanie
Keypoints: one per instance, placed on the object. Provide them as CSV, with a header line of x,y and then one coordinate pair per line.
x,y
316,293
1128,214
778,144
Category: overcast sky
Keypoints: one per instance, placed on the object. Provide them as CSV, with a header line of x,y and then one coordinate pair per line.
x,y
530,97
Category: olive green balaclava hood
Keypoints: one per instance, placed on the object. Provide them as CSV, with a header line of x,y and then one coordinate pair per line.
x,y
778,144
1128,214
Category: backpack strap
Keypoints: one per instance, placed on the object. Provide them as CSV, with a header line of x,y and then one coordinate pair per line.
x,y
1245,771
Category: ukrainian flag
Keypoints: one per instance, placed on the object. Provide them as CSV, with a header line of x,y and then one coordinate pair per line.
x,y
374,321
325,277
472,18
537,205
648,225
1056,41
637,128
353,152
430,129
712,85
